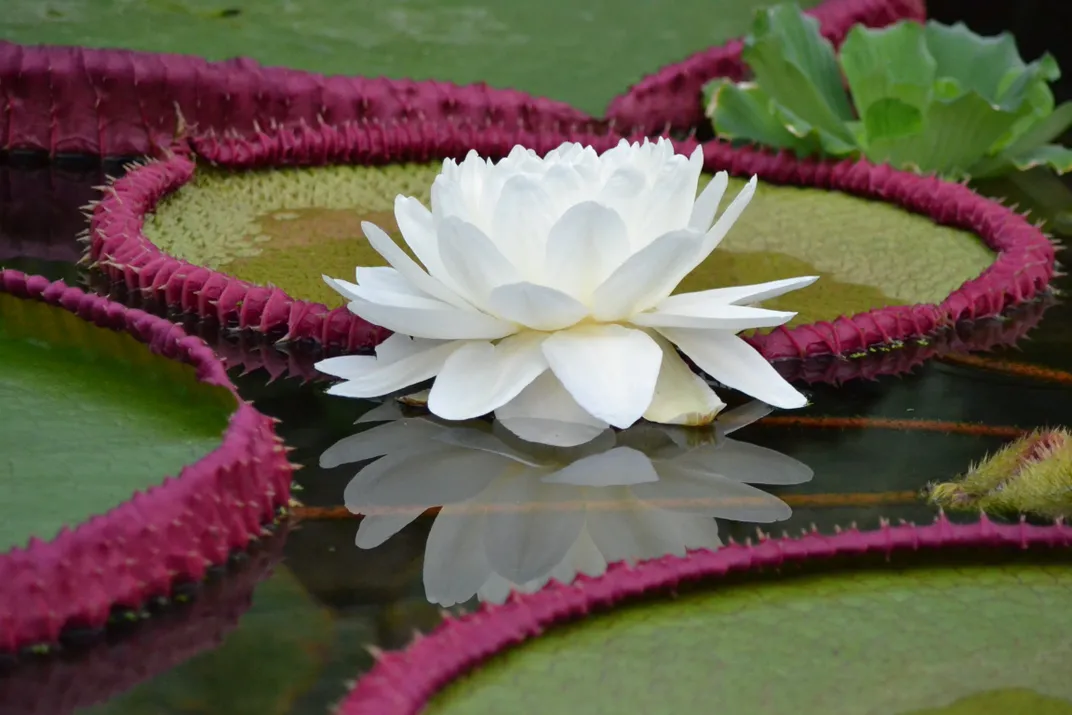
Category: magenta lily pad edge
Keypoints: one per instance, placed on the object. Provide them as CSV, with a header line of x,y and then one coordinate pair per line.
x,y
167,535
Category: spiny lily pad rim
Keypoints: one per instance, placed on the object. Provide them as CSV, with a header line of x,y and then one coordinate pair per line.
x,y
1021,270
166,534
403,682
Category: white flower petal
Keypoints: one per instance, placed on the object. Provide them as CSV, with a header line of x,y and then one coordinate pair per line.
x,y
741,416
713,316
380,440
545,413
617,467
375,529
536,306
407,267
584,246
725,222
367,376
707,203
623,192
420,478
434,322
746,462
635,531
473,260
672,194
418,229
681,396
735,363
735,295
480,377
521,222
610,370
702,491
646,277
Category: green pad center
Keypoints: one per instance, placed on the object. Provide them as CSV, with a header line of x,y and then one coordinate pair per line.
x,y
89,417
288,227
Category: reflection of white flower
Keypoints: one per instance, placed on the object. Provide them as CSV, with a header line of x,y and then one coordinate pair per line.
x,y
545,294
515,514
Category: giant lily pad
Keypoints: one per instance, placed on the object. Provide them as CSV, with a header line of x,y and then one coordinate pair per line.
x,y
911,636
101,404
902,256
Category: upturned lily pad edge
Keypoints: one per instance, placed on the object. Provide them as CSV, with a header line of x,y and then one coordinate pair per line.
x,y
189,624
160,538
670,99
1022,269
404,682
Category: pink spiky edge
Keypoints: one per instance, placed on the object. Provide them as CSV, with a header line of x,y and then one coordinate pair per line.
x,y
403,682
168,533
72,100
670,99
178,633
1022,269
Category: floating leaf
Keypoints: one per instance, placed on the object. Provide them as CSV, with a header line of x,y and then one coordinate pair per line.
x,y
553,49
917,640
288,227
89,417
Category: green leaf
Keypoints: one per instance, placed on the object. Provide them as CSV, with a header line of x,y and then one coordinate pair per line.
x,y
1027,143
1053,156
273,657
888,63
795,65
744,111
955,134
89,417
890,118
989,66
973,639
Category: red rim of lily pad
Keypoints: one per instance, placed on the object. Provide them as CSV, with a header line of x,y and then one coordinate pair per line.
x,y
165,640
73,100
166,535
403,682
670,99
1022,268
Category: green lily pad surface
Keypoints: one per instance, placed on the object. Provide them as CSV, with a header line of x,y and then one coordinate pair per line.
x,y
982,639
288,227
583,55
89,416
275,654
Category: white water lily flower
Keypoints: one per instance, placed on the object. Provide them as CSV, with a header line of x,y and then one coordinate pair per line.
x,y
545,295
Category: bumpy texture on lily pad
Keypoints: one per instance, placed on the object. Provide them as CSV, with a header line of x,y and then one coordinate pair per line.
x,y
914,634
125,532
883,307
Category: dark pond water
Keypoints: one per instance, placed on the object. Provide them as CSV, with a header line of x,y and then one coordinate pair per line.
x,y
313,619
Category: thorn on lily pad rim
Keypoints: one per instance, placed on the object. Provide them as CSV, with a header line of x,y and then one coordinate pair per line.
x,y
1021,271
170,533
404,682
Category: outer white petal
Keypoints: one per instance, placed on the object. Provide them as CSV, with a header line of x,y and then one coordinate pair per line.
x,y
713,316
624,191
646,277
583,247
669,202
521,222
480,377
746,462
380,440
681,396
545,413
418,229
473,260
407,267
367,376
724,223
610,370
735,295
434,322
375,529
733,362
454,562
536,306
704,491
707,203
636,532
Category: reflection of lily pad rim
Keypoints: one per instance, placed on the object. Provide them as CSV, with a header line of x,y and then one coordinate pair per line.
x,y
1022,268
167,534
406,682
669,98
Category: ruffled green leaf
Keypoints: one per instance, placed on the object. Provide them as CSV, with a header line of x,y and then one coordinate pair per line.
x,y
796,66
888,63
745,112
1032,145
